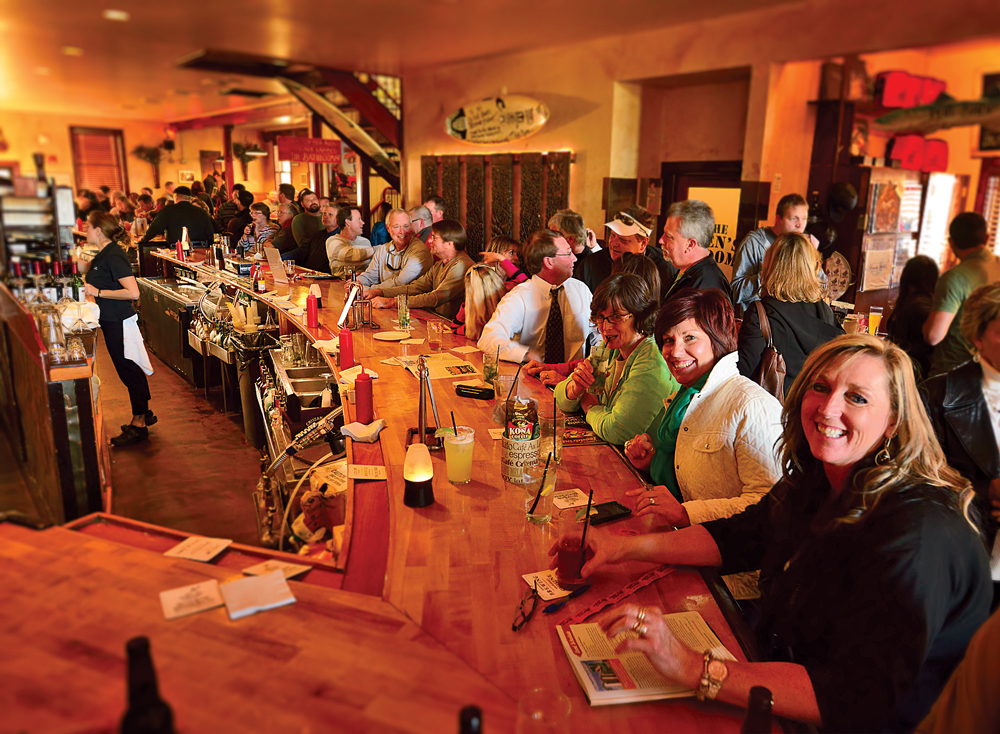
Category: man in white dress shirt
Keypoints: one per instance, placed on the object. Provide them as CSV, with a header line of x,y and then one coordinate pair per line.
x,y
529,321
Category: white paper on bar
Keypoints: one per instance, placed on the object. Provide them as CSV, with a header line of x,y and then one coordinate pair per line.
x,y
288,570
567,498
412,341
495,433
254,594
350,375
197,548
465,349
548,587
366,471
186,600
283,304
328,345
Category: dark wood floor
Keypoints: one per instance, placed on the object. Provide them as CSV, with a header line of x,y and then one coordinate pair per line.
x,y
196,473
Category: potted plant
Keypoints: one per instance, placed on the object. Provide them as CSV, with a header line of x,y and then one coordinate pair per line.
x,y
246,152
150,154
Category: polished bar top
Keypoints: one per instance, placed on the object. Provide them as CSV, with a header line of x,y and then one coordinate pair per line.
x,y
332,661
454,568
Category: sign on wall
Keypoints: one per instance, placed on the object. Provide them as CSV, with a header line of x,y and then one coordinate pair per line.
x,y
497,119
726,205
308,150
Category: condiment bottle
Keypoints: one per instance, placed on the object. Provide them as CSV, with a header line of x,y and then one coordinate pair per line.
x,y
180,251
259,279
363,411
346,341
312,311
314,290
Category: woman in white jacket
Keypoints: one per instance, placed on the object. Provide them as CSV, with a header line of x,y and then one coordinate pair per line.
x,y
714,449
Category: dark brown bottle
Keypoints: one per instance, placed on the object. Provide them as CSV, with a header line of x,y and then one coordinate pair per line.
x,y
758,718
147,712
470,720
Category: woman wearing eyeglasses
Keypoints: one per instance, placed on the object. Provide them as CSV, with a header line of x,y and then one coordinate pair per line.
x,y
713,453
620,385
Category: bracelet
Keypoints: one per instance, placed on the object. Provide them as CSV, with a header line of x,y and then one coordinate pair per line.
x,y
98,292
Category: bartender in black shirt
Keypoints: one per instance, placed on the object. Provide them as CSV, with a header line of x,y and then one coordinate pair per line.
x,y
183,213
112,285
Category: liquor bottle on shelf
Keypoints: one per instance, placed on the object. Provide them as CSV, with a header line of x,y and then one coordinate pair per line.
x,y
16,280
758,718
76,284
60,280
147,712
186,242
49,286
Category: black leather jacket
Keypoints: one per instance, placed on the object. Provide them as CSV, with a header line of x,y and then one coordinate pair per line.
x,y
958,411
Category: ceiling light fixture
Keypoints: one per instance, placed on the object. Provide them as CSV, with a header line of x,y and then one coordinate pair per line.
x,y
121,16
72,51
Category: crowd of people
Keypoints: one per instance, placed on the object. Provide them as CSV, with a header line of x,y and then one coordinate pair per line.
x,y
862,483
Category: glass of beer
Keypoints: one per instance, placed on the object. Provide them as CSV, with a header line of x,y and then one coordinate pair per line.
x,y
874,319
458,454
435,332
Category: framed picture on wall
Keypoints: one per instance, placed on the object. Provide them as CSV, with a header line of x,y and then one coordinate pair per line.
x,y
185,176
989,136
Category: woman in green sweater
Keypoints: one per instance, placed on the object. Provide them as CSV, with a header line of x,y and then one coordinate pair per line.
x,y
621,386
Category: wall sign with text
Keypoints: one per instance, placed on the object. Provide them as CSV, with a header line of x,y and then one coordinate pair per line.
x,y
497,119
308,150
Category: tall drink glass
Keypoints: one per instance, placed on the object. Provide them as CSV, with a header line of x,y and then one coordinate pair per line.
x,y
458,454
874,319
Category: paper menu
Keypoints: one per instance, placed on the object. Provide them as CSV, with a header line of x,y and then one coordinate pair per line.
x,y
186,600
197,548
366,471
548,587
254,594
465,349
567,498
289,570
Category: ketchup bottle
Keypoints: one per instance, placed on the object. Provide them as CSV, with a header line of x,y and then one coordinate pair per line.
x,y
363,410
346,339
312,312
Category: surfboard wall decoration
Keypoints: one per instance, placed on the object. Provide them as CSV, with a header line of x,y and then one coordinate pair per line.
x,y
497,119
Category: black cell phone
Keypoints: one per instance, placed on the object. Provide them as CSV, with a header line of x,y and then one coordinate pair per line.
x,y
470,391
609,512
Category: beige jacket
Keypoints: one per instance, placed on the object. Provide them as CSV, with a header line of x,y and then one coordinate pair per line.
x,y
442,288
726,457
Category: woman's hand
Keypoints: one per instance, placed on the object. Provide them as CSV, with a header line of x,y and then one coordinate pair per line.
x,y
493,257
383,302
580,380
658,501
550,377
672,658
603,548
640,451
90,290
532,367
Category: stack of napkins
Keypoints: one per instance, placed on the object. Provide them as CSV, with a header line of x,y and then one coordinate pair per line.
x,y
242,597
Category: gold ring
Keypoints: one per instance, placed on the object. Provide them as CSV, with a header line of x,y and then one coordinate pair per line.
x,y
652,501
640,615
642,630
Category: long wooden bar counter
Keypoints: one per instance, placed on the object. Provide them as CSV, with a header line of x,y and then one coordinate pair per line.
x,y
452,569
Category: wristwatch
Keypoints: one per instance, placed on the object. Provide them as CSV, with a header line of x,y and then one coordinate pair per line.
x,y
713,674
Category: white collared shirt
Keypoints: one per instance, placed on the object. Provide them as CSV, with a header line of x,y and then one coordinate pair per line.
x,y
517,326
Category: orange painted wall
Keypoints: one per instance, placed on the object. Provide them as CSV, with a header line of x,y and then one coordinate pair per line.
x,y
698,122
31,132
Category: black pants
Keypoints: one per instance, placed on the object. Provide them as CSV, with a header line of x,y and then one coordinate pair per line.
x,y
128,371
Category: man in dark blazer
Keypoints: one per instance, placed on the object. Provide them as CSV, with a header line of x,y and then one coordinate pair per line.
x,y
172,219
687,235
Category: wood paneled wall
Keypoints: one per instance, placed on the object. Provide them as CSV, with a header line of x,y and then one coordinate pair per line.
x,y
508,194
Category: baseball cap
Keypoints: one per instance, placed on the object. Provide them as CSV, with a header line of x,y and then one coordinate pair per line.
x,y
625,225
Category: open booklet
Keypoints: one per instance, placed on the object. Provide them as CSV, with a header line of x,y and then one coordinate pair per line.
x,y
608,677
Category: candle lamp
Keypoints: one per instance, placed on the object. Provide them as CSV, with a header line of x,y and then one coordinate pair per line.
x,y
418,476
